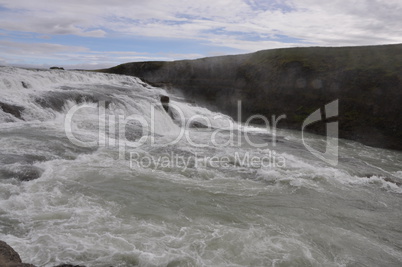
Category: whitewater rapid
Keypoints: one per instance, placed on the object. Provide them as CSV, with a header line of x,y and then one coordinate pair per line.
x,y
130,192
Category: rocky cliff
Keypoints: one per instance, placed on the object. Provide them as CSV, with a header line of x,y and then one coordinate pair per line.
x,y
296,81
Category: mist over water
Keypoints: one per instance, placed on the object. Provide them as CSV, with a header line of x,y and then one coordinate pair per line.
x,y
198,200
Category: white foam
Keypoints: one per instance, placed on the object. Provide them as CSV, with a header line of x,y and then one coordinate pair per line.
x,y
186,112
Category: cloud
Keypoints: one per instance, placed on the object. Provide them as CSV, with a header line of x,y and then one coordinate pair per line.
x,y
43,24
37,48
72,57
328,23
22,54
241,25
52,18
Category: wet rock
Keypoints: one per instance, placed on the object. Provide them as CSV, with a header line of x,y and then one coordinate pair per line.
x,y
165,102
10,258
20,265
25,85
57,100
12,109
22,173
394,181
25,159
198,125
8,254
68,265
29,173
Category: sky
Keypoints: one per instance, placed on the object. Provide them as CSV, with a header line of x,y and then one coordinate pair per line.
x,y
93,34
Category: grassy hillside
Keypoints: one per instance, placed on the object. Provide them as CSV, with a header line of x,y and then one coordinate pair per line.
x,y
296,81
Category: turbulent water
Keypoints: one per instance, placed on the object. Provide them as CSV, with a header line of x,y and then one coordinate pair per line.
x,y
94,171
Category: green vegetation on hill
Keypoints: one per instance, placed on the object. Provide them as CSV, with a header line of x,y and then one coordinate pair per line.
x,y
296,81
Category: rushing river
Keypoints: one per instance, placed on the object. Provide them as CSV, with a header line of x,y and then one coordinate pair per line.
x,y
94,171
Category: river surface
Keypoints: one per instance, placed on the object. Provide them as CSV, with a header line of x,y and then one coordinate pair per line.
x,y
94,171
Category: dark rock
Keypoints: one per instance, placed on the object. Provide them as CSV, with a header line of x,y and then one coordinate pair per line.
x,y
56,100
12,109
20,265
28,159
25,85
8,254
394,181
198,125
165,102
9,257
28,173
56,68
23,173
68,265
